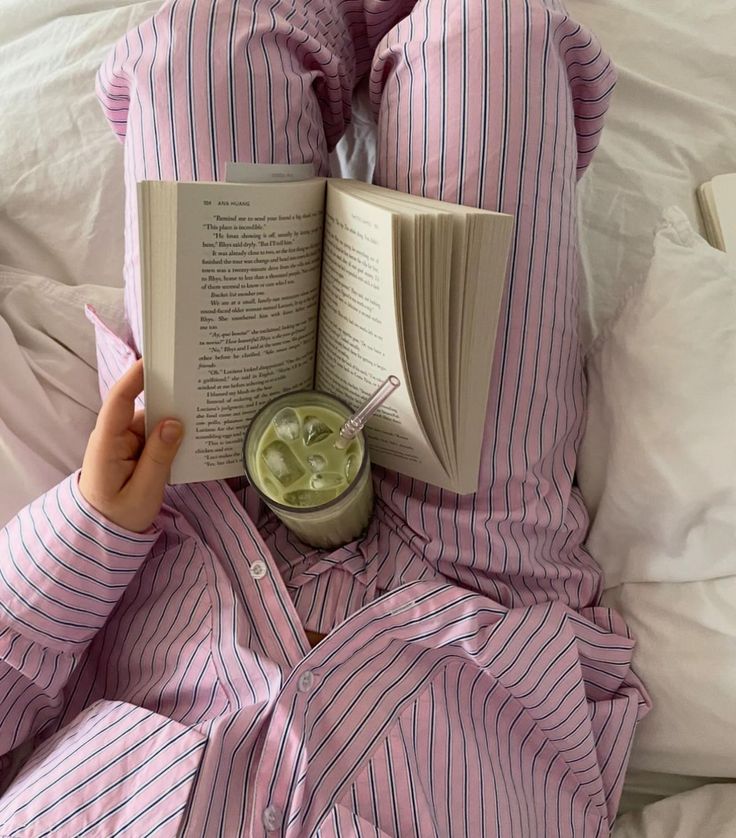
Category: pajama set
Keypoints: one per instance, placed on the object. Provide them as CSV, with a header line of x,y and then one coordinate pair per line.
x,y
468,685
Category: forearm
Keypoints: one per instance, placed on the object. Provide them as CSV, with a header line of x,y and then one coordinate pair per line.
x,y
63,568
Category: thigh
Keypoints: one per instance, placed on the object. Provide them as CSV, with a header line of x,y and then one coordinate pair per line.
x,y
499,104
204,82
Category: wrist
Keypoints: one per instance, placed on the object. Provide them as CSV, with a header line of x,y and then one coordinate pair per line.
x,y
104,511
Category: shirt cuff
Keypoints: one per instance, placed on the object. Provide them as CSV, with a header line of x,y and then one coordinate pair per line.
x,y
66,568
115,352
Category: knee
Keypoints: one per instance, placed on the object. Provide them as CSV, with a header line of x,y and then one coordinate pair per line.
x,y
532,45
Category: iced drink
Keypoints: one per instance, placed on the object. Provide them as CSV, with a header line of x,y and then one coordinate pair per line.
x,y
322,493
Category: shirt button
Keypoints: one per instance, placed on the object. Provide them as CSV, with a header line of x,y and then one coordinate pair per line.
x,y
258,570
271,818
305,682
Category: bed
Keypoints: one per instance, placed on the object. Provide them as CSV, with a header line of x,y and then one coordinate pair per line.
x,y
658,464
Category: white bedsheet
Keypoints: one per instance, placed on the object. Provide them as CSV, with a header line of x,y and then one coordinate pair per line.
x,y
61,187
671,126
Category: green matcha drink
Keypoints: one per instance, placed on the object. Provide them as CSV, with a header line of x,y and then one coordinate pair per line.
x,y
324,494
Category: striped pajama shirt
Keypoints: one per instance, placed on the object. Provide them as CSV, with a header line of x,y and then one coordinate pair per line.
x,y
469,685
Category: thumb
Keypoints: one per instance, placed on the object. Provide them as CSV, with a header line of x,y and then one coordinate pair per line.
x,y
154,464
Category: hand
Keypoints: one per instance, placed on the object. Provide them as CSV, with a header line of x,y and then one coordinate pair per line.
x,y
123,476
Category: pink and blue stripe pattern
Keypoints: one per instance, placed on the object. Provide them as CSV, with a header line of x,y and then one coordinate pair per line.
x,y
469,685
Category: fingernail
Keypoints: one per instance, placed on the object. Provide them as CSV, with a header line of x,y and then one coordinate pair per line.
x,y
171,432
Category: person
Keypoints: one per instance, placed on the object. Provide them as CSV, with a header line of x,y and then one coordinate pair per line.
x,y
156,670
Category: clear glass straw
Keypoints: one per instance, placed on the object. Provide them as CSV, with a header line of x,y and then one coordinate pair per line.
x,y
357,421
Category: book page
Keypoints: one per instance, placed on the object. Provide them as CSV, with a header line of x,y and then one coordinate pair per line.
x,y
268,172
248,265
359,338
465,276
724,201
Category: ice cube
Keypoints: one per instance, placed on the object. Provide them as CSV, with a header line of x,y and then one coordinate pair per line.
x,y
286,424
315,430
351,467
317,462
326,480
309,497
282,464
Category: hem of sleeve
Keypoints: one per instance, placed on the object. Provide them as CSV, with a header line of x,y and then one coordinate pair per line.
x,y
67,568
147,536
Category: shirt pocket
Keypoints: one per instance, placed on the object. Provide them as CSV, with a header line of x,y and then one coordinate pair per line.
x,y
115,354
116,770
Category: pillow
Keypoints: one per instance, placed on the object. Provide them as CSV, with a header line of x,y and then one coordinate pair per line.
x,y
685,652
657,468
658,462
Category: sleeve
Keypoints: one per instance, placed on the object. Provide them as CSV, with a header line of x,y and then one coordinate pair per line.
x,y
115,350
63,568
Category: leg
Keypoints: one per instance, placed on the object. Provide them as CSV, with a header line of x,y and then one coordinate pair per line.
x,y
262,81
499,104
207,81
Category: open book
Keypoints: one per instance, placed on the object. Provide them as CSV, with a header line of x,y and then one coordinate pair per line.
x,y
717,199
251,290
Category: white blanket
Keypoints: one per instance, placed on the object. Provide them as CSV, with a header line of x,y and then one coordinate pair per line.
x,y
49,381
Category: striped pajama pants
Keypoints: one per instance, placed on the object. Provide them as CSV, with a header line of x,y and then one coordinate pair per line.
x,y
491,103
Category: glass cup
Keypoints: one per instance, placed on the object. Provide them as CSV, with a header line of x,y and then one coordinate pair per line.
x,y
324,495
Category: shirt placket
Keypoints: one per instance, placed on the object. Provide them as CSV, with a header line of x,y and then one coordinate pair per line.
x,y
282,770
267,603
283,754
